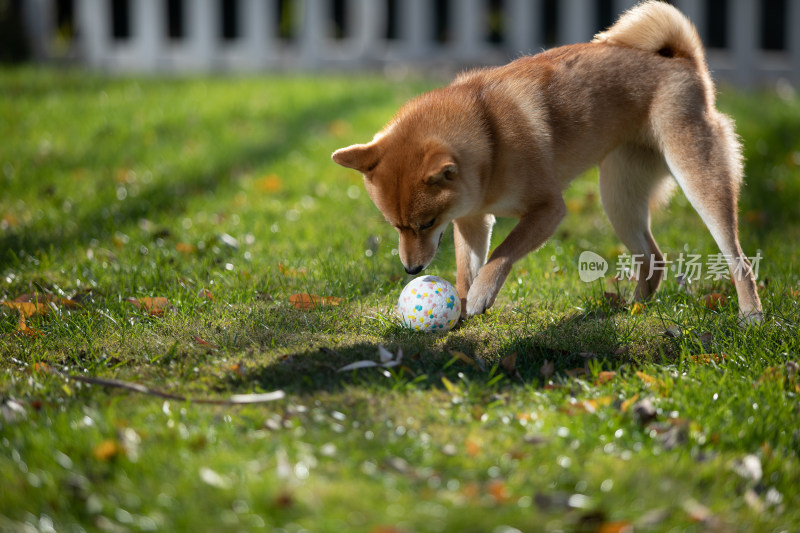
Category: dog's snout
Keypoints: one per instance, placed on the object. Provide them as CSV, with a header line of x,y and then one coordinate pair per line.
x,y
414,270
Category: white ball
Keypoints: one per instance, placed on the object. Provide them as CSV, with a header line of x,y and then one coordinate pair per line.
x,y
429,303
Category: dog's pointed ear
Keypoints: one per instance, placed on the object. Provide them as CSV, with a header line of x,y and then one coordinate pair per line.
x,y
361,157
442,169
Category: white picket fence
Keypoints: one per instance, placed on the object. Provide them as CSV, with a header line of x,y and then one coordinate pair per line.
x,y
259,45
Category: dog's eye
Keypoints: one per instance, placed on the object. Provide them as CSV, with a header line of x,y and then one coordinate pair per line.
x,y
429,225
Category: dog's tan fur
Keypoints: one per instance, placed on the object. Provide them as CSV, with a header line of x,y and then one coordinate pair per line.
x,y
507,141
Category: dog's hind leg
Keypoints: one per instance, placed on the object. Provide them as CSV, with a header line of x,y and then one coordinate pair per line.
x,y
703,156
631,177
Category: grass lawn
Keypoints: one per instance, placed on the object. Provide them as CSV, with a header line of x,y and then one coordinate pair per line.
x,y
157,230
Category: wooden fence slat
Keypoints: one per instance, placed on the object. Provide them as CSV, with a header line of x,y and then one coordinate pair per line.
x,y
365,43
743,27
148,31
575,21
92,19
793,34
202,33
524,35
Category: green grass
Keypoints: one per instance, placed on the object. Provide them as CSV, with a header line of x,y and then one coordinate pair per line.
x,y
117,189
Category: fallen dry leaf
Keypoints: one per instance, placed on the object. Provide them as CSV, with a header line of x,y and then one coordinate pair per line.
x,y
185,248
714,300
605,377
708,358
270,183
35,297
107,450
628,403
637,308
41,368
593,404
509,364
292,272
28,309
465,358
11,220
471,491
498,490
24,311
647,378
472,448
306,301
615,527
24,329
587,406
203,342
154,306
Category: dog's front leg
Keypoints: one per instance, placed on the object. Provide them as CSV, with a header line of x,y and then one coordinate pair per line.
x,y
533,229
472,235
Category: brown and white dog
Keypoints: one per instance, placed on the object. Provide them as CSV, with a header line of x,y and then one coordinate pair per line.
x,y
507,141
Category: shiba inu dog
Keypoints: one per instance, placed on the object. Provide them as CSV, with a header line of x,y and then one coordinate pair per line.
x,y
638,100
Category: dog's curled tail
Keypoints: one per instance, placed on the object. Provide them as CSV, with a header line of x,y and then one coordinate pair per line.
x,y
656,27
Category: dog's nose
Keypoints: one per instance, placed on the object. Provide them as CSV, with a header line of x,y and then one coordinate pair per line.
x,y
414,270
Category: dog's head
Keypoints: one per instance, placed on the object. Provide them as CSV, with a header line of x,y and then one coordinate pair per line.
x,y
415,186
425,168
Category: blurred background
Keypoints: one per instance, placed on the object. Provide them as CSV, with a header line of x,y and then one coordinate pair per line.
x,y
750,42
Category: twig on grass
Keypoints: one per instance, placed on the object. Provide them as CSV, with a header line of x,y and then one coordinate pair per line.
x,y
236,399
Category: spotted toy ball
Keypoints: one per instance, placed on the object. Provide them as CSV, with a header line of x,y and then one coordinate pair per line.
x,y
429,303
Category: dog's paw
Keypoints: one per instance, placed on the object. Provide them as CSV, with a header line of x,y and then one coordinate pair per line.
x,y
484,290
752,318
463,308
480,298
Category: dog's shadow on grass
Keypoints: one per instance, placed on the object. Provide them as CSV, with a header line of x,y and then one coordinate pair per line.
x,y
560,350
